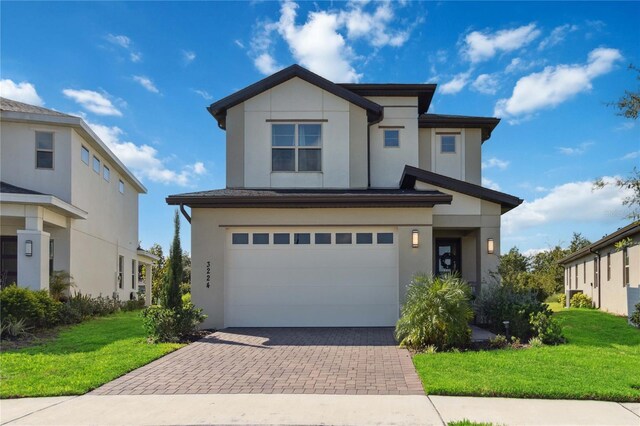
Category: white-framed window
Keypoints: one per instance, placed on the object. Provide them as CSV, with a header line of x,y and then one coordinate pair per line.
x,y
343,238
281,238
96,164
584,272
296,147
385,237
120,271
322,237
106,173
392,138
84,154
608,266
448,144
260,238
625,267
134,273
44,150
121,186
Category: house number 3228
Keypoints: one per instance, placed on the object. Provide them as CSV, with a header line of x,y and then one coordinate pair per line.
x,y
208,274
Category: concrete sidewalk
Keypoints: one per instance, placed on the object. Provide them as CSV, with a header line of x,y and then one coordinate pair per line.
x,y
309,410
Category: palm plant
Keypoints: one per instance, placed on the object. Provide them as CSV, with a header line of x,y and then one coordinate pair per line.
x,y
60,283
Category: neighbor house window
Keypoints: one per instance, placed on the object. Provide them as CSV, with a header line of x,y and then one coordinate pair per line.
x,y
96,164
392,138
84,154
296,147
576,276
584,272
120,271
134,273
44,150
625,265
106,173
608,266
121,186
595,272
569,272
448,144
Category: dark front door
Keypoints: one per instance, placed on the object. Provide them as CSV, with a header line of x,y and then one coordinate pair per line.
x,y
8,260
447,256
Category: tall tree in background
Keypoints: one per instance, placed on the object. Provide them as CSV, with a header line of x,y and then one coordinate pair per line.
x,y
159,271
173,278
629,104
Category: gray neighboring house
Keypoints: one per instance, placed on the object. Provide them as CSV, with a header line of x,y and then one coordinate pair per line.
x,y
609,275
336,195
66,203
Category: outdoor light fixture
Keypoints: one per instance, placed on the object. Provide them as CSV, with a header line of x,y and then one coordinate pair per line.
x,y
415,239
490,247
28,248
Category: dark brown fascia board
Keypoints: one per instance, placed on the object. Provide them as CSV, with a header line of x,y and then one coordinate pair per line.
x,y
429,200
411,174
622,233
219,108
424,92
486,124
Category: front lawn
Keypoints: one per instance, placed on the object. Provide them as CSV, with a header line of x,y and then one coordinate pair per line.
x,y
80,359
600,361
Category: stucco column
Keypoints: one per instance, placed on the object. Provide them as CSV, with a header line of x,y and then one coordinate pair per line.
x,y
147,284
488,262
33,271
413,260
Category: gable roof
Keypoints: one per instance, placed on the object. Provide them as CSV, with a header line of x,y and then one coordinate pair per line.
x,y
486,124
607,240
219,109
7,188
411,174
15,106
424,92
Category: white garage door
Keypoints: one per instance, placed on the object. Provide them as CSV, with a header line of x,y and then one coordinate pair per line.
x,y
311,277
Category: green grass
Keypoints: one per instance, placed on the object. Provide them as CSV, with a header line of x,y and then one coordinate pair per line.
x,y
600,361
81,358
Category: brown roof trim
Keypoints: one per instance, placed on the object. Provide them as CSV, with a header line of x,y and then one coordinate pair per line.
x,y
487,124
309,199
424,92
411,174
219,108
631,229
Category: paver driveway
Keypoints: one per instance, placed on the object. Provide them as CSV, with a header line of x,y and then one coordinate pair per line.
x,y
279,360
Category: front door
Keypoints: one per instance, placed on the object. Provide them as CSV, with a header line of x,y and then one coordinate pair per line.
x,y
8,260
448,256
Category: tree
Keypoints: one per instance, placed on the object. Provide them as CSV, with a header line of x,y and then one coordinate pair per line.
x,y
577,242
629,104
159,271
172,297
512,266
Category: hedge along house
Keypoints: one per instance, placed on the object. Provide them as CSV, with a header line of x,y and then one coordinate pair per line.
x,y
66,203
337,194
608,271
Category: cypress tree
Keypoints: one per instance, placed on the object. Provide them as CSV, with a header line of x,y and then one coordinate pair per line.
x,y
172,298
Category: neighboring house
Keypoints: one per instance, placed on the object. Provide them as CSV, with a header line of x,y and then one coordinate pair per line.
x,y
67,203
337,194
608,271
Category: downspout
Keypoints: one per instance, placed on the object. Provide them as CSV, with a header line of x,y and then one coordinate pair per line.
x,y
184,213
597,253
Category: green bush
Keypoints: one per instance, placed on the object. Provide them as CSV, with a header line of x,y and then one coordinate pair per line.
x,y
635,316
437,312
133,305
581,300
498,342
536,342
171,325
546,328
186,298
13,329
60,284
562,300
36,308
80,307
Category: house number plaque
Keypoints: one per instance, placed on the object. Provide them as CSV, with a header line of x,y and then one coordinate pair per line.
x,y
208,274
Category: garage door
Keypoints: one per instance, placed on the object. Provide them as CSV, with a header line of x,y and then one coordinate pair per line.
x,y
311,277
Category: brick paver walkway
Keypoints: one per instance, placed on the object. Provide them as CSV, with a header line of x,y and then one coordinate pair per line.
x,y
279,360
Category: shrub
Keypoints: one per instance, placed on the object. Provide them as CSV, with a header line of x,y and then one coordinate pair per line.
x,y
12,328
546,328
581,300
133,305
36,308
498,342
562,300
84,306
60,283
635,316
497,304
437,312
536,342
186,298
171,325
69,314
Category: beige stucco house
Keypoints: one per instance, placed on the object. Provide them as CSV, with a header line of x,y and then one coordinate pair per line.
x,y
608,271
66,203
337,194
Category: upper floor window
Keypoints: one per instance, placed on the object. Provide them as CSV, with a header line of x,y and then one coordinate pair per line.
x,y
296,147
448,144
44,150
84,154
120,271
392,138
106,173
96,164
121,186
625,266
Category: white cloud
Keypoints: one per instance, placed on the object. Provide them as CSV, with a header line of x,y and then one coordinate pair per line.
x,y
239,44
571,202
188,56
488,183
518,65
146,83
576,150
456,84
373,26
557,36
534,251
556,84
135,56
266,64
205,95
627,125
143,160
93,101
480,46
125,42
631,156
495,162
21,92
486,83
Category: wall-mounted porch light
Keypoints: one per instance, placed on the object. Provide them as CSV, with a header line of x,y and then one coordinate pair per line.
x,y
490,246
415,239
28,248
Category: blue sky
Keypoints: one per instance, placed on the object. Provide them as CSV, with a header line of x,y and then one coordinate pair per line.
x,y
142,74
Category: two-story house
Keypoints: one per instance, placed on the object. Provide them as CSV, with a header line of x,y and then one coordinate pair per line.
x,y
66,203
337,194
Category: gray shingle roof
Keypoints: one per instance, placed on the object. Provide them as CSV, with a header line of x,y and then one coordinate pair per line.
x,y
15,106
6,188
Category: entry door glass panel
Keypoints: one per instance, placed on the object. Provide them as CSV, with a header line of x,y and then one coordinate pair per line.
x,y
8,260
447,256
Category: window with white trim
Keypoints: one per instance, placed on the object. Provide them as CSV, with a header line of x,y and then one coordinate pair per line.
x,y
296,147
106,173
120,271
121,186
96,164
134,273
84,155
392,138
44,150
625,265
448,144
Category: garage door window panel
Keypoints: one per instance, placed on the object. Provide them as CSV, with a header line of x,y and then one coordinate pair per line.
x,y
343,238
280,238
364,238
240,238
302,238
323,238
261,238
385,238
